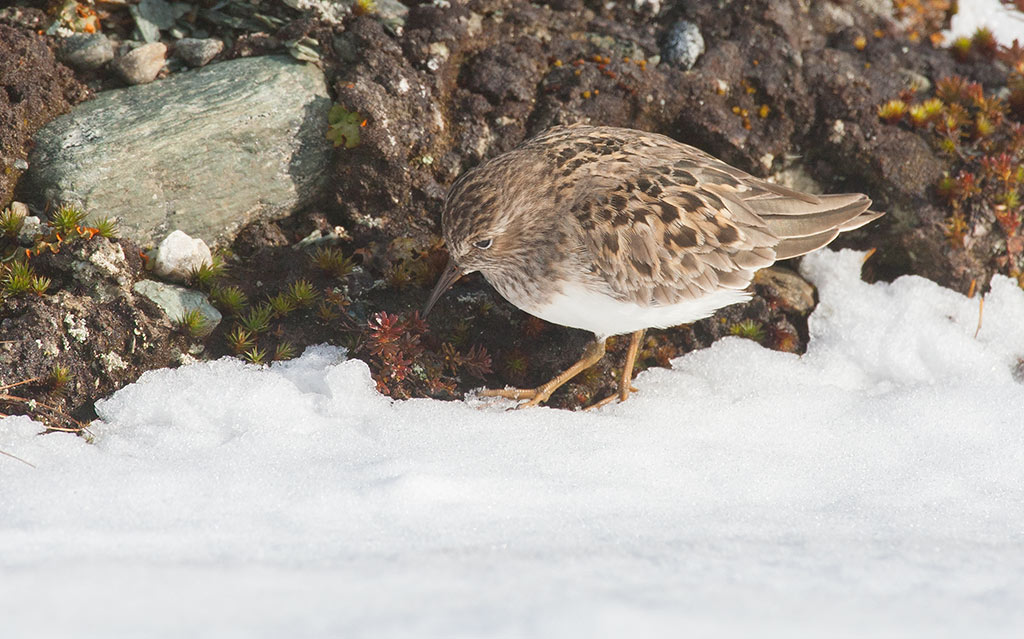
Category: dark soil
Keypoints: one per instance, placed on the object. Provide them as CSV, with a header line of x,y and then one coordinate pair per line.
x,y
36,89
779,86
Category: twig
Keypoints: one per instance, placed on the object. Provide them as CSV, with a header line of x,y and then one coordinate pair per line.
x,y
5,453
56,413
24,381
981,312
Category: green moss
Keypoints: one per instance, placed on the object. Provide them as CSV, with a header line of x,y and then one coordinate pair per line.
x,y
258,319
302,293
230,299
332,261
748,329
67,219
343,126
194,323
239,340
284,350
255,355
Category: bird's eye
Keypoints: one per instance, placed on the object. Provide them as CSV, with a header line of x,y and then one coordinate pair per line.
x,y
483,245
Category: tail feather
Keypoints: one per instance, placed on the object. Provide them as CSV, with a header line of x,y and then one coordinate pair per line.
x,y
797,246
789,218
860,220
803,226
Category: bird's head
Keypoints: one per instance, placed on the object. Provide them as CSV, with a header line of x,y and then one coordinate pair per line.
x,y
486,222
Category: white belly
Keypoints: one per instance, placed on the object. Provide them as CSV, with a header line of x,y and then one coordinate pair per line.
x,y
579,307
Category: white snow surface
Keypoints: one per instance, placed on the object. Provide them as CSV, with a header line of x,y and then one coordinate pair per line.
x,y
1005,21
874,485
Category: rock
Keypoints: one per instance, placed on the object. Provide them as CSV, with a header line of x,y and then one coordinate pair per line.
x,y
198,52
178,255
785,289
103,346
392,11
175,301
683,45
151,16
31,226
238,141
330,12
141,65
19,209
100,268
652,6
86,51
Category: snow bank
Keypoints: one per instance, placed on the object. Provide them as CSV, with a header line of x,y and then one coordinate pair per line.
x,y
1005,22
875,484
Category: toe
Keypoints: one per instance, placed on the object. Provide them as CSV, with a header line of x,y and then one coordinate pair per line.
x,y
510,393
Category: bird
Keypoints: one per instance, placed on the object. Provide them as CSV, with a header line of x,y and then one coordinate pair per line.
x,y
615,231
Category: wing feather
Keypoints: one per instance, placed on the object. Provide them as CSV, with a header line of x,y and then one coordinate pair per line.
x,y
662,222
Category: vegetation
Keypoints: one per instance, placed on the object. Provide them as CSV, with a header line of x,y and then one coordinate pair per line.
x,y
982,138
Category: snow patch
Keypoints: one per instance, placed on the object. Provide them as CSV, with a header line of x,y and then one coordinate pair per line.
x,y
874,486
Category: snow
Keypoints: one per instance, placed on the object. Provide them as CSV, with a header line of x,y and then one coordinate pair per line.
x,y
1005,21
875,484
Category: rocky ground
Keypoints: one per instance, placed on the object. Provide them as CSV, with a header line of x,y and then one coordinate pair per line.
x,y
836,96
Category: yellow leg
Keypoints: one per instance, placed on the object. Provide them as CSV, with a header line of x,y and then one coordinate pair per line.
x,y
625,385
541,394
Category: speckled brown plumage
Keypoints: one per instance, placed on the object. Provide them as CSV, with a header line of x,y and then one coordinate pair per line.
x,y
616,230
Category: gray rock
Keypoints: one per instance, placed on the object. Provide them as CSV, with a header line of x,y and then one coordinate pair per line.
x,y
683,45
392,11
141,65
205,151
175,301
31,227
101,270
86,51
151,16
197,53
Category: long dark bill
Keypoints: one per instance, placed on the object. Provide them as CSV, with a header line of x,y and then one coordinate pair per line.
x,y
451,274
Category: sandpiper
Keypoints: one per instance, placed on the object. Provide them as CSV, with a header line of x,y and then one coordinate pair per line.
x,y
615,231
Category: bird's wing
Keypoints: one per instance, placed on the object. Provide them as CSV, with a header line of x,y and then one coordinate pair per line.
x,y
661,233
664,222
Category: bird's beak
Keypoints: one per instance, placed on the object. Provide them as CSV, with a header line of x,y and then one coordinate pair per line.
x,y
451,274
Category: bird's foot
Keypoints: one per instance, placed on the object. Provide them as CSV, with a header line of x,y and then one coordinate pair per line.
x,y
539,395
622,396
535,396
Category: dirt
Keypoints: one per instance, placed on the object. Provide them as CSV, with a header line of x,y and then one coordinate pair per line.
x,y
779,85
36,89
92,328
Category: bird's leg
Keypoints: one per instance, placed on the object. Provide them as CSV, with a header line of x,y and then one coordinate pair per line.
x,y
541,394
625,385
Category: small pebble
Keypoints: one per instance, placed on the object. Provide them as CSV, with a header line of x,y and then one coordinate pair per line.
x,y
178,255
654,6
141,65
86,51
31,226
683,45
197,53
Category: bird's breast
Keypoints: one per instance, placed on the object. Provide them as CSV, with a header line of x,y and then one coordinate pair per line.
x,y
575,305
